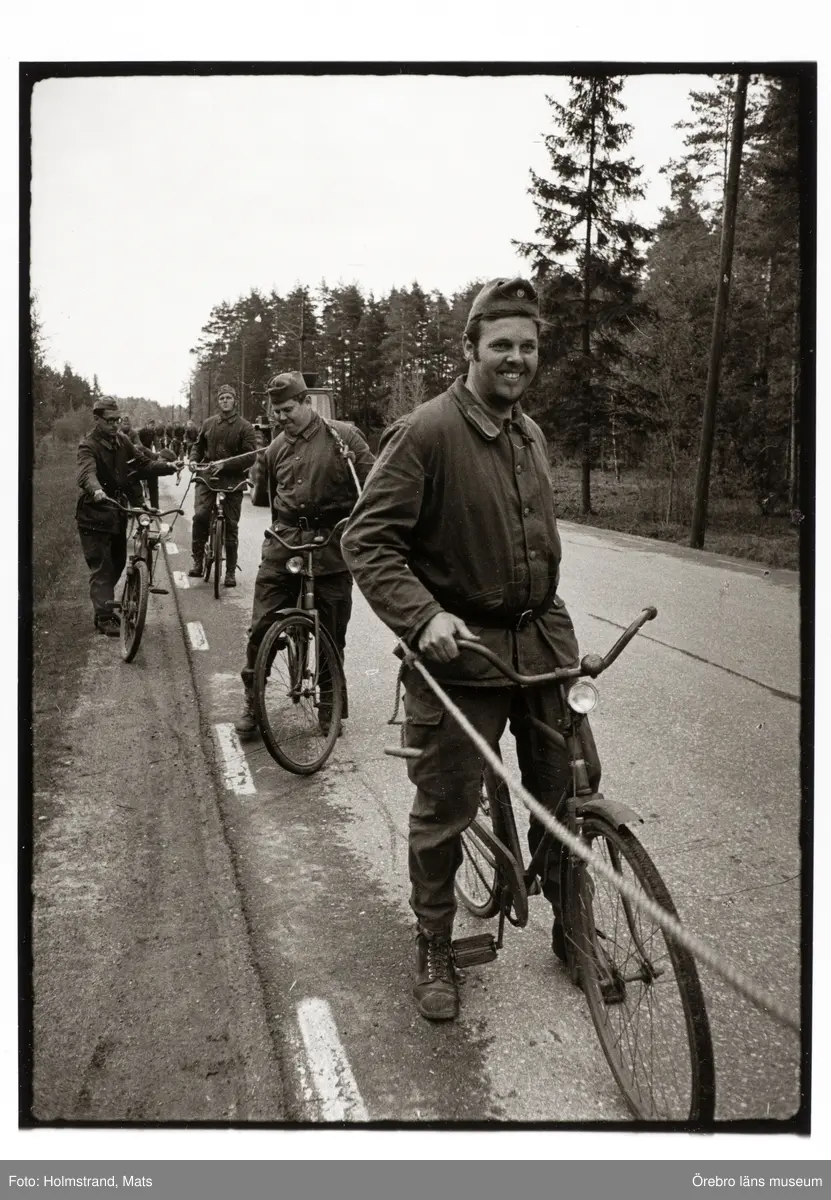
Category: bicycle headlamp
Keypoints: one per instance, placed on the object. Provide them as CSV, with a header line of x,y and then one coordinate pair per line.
x,y
582,696
144,520
295,564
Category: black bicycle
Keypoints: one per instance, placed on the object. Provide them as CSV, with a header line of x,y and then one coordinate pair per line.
x,y
147,536
299,681
641,986
215,545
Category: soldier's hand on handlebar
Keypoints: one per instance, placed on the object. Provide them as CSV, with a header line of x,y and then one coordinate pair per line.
x,y
437,639
99,494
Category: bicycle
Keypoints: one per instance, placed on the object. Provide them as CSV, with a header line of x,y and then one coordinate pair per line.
x,y
141,565
642,987
299,681
215,545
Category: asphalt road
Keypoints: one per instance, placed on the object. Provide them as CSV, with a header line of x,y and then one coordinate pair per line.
x,y
698,729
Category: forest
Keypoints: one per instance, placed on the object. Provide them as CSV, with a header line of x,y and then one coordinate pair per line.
x,y
628,324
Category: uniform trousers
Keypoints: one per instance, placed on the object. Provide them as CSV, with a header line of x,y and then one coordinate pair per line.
x,y
448,777
106,555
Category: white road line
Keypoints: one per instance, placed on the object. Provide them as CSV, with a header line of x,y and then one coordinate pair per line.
x,y
332,1075
197,635
234,766
171,547
180,579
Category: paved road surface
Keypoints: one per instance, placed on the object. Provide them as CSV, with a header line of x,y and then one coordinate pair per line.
x,y
698,729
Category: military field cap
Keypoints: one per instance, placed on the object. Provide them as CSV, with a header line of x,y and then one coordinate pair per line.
x,y
506,298
227,389
106,406
285,387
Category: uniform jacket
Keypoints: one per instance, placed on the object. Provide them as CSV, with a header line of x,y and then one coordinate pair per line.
x,y
225,437
116,465
148,437
308,479
458,515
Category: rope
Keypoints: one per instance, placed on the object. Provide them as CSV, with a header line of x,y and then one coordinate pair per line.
x,y
346,453
738,980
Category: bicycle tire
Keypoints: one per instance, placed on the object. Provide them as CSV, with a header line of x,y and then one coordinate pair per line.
x,y
219,535
642,988
480,878
298,721
207,562
134,608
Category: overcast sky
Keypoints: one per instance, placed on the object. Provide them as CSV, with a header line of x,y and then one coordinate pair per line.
x,y
155,198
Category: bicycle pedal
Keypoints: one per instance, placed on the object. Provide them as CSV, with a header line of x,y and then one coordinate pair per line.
x,y
160,591
469,951
403,752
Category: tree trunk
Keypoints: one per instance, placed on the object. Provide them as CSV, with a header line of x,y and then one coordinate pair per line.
x,y
728,233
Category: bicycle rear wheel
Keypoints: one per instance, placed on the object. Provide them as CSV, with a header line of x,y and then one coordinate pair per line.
x,y
298,694
134,608
219,537
642,988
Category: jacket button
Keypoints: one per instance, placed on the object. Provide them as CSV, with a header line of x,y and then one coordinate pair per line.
x,y
519,469
526,511
533,554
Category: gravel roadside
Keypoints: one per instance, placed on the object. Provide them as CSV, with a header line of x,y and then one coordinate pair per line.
x,y
147,1007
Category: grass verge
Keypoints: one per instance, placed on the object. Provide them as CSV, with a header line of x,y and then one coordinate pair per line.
x,y
636,502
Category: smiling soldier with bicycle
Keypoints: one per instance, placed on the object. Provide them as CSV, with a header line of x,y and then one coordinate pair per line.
x,y
109,468
308,469
455,537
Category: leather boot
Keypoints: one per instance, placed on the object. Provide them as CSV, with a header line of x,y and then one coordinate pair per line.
x,y
436,990
246,722
230,579
197,567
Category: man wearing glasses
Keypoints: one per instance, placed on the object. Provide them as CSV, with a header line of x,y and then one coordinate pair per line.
x,y
109,468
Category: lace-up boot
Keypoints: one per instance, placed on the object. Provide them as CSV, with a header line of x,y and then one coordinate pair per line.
x,y
436,990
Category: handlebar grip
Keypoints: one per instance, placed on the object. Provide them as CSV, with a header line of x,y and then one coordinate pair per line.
x,y
651,612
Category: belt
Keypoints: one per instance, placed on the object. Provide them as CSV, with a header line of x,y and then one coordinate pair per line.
x,y
515,622
314,520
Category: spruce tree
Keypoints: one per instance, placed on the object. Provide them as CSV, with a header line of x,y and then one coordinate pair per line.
x,y
588,260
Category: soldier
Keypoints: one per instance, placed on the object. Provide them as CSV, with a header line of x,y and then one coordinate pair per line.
x,y
150,437
190,438
109,466
455,537
126,427
310,487
221,437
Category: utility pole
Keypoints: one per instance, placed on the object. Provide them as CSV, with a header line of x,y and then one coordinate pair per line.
x,y
302,327
728,234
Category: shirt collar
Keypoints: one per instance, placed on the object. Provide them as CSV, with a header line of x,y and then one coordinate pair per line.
x,y
306,433
484,422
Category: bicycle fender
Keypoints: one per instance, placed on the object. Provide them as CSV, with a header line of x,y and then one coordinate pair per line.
x,y
281,614
615,811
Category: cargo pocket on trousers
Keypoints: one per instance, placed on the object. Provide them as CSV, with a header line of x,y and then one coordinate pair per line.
x,y
421,718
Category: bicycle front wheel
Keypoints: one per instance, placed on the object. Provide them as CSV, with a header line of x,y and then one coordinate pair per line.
x,y
134,608
641,986
219,538
207,562
298,694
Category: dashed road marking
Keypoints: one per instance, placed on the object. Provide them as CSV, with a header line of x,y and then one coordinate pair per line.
x,y
234,766
332,1075
197,635
172,548
180,579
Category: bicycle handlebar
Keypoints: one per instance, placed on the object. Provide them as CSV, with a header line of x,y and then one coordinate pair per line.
x,y
237,487
142,510
591,664
317,543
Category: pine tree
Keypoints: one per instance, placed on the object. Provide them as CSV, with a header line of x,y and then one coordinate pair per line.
x,y
588,261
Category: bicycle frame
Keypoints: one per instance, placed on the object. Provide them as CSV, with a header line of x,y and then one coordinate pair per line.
x,y
306,552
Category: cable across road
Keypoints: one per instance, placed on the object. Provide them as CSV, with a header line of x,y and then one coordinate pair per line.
x,y
748,987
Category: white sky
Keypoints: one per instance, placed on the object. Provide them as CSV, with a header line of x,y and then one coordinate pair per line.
x,y
154,198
